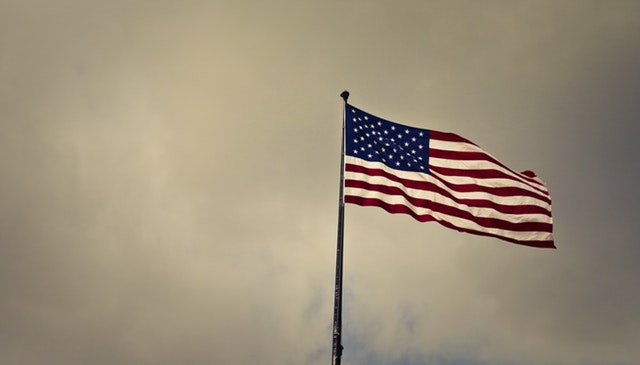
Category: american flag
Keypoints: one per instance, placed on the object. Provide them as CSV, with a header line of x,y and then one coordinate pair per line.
x,y
442,177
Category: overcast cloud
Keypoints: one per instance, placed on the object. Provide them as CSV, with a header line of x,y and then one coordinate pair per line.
x,y
169,181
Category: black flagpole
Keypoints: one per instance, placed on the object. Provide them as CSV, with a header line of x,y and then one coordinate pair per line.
x,y
337,305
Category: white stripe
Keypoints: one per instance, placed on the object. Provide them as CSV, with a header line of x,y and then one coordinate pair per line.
x,y
416,176
509,200
485,165
489,183
456,221
468,147
481,212
453,146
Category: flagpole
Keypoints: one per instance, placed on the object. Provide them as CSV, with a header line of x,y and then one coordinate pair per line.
x,y
337,304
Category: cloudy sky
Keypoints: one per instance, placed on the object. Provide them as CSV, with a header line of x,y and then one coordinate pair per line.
x,y
169,181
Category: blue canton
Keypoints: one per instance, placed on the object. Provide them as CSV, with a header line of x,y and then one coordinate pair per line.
x,y
397,146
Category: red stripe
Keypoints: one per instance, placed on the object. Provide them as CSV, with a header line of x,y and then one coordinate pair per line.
x,y
448,137
398,208
462,155
463,188
453,211
481,174
480,156
521,209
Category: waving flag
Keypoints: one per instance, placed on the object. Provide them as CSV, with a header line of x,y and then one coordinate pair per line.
x,y
442,177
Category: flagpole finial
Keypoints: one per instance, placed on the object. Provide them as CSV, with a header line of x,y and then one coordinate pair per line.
x,y
345,95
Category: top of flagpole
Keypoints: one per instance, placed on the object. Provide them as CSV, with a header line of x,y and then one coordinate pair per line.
x,y
345,96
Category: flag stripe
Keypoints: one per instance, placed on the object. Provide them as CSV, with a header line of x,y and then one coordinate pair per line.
x,y
472,161
453,191
459,223
481,216
480,203
476,203
450,137
480,174
483,177
438,146
496,186
533,241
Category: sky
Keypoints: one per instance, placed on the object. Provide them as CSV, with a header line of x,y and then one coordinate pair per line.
x,y
169,176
